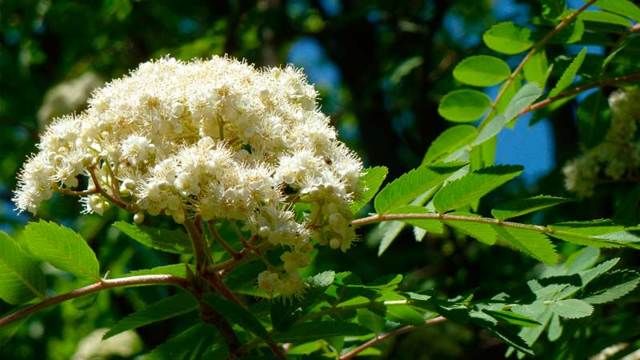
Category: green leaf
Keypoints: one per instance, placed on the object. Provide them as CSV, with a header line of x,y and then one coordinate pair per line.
x,y
582,260
371,180
523,98
20,276
166,308
179,270
604,17
386,282
370,320
315,330
537,69
481,232
354,301
570,34
306,348
572,308
621,7
509,90
629,238
189,344
236,314
464,105
541,313
611,286
432,226
387,232
588,275
390,231
171,241
450,141
507,38
594,118
405,68
481,70
532,243
215,351
404,314
588,233
520,207
569,74
62,248
511,338
473,186
555,328
552,9
512,318
411,185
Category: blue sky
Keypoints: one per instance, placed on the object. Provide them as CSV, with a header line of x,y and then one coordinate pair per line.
x,y
531,146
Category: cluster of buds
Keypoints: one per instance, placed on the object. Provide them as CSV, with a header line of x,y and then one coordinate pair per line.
x,y
617,156
215,139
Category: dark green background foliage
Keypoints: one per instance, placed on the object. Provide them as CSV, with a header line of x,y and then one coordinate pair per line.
x,y
395,62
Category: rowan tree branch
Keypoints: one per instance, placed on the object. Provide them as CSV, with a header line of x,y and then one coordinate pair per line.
x,y
578,89
382,337
448,217
103,284
537,46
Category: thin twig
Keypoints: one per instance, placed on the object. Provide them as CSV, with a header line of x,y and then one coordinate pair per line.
x,y
382,337
448,217
78,193
115,200
103,284
221,240
578,89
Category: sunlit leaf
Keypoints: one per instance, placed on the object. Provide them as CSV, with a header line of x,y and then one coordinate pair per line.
x,y
449,141
621,7
409,186
481,70
572,308
537,69
464,105
530,242
569,74
473,186
20,276
508,38
521,207
605,17
172,241
62,248
371,181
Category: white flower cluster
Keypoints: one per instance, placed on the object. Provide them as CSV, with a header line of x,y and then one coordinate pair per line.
x,y
617,156
67,97
217,139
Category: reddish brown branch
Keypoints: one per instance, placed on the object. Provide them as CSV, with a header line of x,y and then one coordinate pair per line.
x,y
577,90
93,288
382,337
